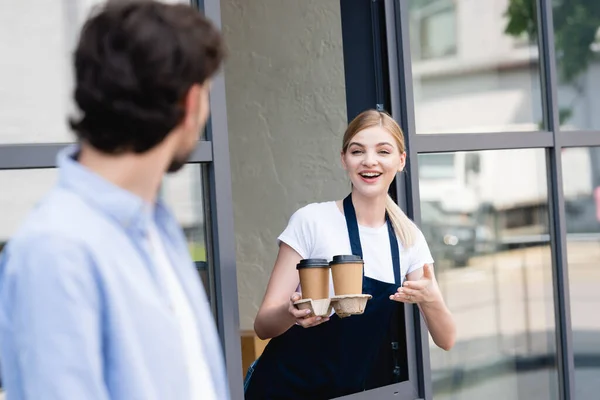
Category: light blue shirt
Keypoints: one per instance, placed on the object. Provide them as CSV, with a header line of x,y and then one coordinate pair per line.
x,y
82,314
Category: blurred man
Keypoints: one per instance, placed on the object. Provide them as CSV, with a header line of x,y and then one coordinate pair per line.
x,y
99,298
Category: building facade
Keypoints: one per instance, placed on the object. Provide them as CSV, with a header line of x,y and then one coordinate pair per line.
x,y
499,101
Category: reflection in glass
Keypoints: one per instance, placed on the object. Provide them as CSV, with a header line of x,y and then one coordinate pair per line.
x,y
35,72
577,48
184,194
581,185
433,28
36,75
20,191
471,72
485,217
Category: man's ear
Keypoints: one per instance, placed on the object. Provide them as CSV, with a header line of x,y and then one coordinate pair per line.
x,y
191,106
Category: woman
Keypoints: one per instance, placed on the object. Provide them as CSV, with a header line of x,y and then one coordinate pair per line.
x,y
310,357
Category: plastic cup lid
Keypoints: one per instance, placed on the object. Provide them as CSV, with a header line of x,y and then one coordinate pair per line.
x,y
312,263
346,259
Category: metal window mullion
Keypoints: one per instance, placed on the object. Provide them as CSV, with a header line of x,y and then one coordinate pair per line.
x,y
223,234
446,142
398,104
43,155
560,275
580,138
208,241
409,182
29,156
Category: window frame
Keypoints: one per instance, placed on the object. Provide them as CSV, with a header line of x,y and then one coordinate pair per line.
x,y
553,139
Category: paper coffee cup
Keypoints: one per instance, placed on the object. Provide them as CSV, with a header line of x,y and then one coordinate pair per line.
x,y
314,278
347,272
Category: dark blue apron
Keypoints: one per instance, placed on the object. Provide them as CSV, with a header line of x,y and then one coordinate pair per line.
x,y
338,357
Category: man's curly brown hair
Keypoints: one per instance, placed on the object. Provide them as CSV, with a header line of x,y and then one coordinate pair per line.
x,y
134,63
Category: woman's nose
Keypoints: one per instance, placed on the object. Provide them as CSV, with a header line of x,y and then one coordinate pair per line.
x,y
370,159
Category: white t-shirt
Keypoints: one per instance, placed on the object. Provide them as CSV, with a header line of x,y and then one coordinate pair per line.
x,y
319,230
201,384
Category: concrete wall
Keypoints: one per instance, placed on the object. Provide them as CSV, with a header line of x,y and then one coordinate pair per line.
x,y
286,112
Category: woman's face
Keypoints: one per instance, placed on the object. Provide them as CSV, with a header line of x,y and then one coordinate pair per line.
x,y
372,161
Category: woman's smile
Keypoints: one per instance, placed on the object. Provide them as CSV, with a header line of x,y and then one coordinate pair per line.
x,y
370,177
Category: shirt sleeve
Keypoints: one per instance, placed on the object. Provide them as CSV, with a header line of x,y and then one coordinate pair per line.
x,y
298,233
420,253
51,311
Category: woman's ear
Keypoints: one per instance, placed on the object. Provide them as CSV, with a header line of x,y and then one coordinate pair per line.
x,y
342,154
402,162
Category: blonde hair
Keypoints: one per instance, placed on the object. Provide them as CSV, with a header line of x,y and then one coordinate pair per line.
x,y
405,229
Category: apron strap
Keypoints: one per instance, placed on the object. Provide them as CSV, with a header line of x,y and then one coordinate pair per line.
x,y
395,250
355,245
352,225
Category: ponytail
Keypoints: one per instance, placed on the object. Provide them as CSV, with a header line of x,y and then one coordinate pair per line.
x,y
405,229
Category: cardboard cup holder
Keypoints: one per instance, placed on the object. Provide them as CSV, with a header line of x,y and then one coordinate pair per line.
x,y
319,308
344,306
350,304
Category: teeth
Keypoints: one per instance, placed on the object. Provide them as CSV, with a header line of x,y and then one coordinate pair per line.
x,y
370,174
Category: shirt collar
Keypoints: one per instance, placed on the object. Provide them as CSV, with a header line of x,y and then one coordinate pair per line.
x,y
128,209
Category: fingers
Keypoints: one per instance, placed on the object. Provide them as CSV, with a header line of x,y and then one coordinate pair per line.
x,y
407,291
416,285
427,271
310,322
299,313
396,297
304,318
405,295
295,297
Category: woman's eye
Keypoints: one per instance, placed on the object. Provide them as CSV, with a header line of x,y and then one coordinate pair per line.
x,y
384,152
356,152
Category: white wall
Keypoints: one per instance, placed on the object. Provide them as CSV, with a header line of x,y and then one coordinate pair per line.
x,y
286,112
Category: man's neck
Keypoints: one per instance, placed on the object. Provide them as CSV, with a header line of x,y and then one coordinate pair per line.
x,y
370,211
140,174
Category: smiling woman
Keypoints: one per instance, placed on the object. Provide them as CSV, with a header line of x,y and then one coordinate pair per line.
x,y
397,269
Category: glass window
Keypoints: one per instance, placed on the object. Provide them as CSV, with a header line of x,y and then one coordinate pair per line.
x,y
21,190
437,166
434,25
185,193
487,227
35,73
472,72
581,185
577,50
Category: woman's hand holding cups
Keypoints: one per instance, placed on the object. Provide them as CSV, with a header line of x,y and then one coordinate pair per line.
x,y
304,318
